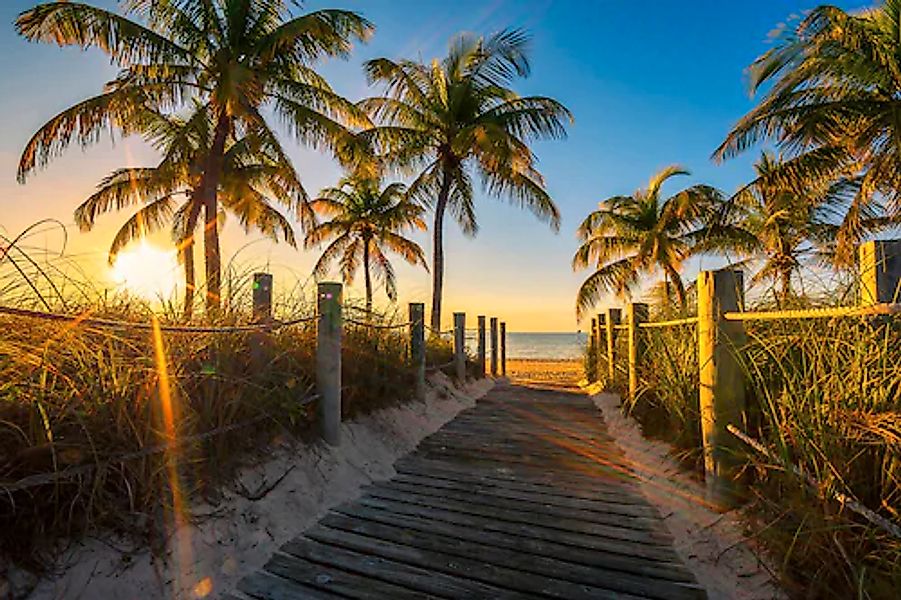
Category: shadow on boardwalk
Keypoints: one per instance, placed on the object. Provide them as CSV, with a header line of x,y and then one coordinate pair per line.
x,y
522,496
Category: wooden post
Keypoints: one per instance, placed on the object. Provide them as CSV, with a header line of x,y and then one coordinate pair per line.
x,y
591,373
637,312
722,380
503,349
417,346
460,345
328,361
494,348
880,272
262,297
614,316
599,365
480,350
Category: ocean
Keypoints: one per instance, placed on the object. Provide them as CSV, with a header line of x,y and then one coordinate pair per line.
x,y
540,345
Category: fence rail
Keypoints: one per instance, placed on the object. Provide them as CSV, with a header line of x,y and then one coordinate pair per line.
x,y
330,325
720,331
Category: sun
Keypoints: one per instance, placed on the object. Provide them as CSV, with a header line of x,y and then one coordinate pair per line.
x,y
147,271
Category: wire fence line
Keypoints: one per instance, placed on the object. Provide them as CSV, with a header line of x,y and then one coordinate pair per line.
x,y
41,479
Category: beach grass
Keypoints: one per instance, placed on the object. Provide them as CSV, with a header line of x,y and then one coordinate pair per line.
x,y
824,395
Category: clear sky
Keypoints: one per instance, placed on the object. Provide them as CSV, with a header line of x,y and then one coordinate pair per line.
x,y
651,83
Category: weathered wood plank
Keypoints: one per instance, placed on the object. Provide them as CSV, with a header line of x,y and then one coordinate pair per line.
x,y
529,546
624,494
525,529
266,586
478,568
563,501
400,572
338,581
639,527
531,564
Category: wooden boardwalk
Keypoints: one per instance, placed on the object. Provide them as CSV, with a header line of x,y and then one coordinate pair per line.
x,y
522,496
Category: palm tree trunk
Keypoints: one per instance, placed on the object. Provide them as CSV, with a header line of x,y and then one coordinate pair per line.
x,y
367,277
187,250
210,187
786,284
438,251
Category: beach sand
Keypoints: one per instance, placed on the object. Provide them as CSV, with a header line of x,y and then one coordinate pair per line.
x,y
545,371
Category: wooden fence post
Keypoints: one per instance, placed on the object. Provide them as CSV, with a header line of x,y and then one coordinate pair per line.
x,y
480,350
637,312
460,345
494,348
417,345
503,349
880,272
599,362
722,379
328,361
262,297
613,318
591,372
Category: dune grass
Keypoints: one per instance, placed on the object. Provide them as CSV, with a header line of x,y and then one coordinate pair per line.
x,y
83,423
824,395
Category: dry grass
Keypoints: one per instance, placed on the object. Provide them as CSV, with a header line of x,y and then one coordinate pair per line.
x,y
824,395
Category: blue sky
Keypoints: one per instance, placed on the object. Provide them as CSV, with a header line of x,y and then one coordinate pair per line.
x,y
651,83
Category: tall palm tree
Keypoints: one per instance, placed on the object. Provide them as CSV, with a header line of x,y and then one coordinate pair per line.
x,y
235,58
457,117
631,236
832,107
171,191
364,222
779,222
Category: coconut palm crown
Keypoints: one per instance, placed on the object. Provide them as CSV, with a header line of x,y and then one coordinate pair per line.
x,y
363,223
234,58
252,181
832,106
456,119
641,234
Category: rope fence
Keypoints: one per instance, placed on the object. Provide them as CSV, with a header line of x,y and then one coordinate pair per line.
x,y
718,338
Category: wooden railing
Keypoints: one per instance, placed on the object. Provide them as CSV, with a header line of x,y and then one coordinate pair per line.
x,y
720,332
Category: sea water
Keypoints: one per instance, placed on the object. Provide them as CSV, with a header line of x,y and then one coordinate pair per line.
x,y
565,345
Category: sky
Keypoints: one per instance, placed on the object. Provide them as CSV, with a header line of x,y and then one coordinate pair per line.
x,y
650,82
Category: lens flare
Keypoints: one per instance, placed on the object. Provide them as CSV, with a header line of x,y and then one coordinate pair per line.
x,y
147,271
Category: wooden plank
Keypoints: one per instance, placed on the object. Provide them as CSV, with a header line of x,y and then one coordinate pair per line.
x,y
584,556
489,554
403,573
651,527
337,581
474,568
610,494
568,480
515,516
529,530
266,586
642,511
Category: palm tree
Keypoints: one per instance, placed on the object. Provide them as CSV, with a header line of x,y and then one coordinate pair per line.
x,y
457,117
630,236
170,192
832,108
778,222
234,58
364,222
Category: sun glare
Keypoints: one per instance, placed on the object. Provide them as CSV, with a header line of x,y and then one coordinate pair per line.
x,y
147,271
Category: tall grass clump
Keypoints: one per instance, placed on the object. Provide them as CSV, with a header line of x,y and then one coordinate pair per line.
x,y
84,444
824,395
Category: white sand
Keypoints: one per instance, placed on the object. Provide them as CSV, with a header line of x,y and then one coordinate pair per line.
x,y
710,543
239,535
